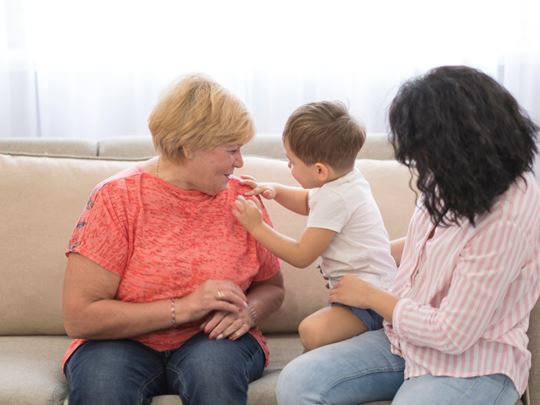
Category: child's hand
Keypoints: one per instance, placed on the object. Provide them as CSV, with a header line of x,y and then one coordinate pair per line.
x,y
267,190
248,212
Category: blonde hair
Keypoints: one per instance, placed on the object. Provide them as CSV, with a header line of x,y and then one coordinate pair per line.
x,y
198,112
324,132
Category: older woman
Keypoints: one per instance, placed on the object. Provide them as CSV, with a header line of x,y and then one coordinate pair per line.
x,y
469,275
164,288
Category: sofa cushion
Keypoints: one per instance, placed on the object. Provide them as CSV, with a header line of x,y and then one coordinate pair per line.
x,y
30,371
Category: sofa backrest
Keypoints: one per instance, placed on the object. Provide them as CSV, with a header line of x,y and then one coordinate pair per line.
x,y
534,346
41,199
141,147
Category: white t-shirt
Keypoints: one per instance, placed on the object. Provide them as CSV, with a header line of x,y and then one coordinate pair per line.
x,y
361,245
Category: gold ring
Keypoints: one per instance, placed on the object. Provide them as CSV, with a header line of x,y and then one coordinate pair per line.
x,y
220,295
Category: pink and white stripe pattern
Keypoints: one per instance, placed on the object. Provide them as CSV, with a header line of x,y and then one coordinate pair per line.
x,y
466,292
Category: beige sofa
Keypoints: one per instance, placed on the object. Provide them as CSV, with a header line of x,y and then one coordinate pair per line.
x,y
43,187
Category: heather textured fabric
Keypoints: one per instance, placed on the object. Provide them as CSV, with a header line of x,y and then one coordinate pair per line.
x,y
164,242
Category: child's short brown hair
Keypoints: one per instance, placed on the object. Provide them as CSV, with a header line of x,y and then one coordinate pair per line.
x,y
324,132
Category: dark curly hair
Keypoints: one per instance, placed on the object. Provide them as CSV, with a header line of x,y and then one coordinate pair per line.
x,y
466,138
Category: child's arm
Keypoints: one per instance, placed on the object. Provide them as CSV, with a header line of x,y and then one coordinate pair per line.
x,y
293,198
302,253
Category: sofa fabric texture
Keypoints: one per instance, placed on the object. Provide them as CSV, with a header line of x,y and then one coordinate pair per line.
x,y
43,188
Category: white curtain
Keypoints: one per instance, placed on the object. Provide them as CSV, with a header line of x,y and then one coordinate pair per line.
x,y
71,68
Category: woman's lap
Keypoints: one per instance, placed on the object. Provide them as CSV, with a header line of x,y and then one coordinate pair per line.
x,y
348,372
495,389
363,369
124,371
115,371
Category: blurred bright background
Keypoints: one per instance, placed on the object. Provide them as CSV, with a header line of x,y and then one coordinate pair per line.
x,y
96,68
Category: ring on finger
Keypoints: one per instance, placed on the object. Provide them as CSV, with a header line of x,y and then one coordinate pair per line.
x,y
220,295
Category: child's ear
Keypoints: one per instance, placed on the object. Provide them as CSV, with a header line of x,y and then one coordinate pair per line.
x,y
322,171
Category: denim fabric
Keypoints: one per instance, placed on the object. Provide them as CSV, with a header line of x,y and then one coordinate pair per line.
x,y
201,372
363,369
369,317
495,389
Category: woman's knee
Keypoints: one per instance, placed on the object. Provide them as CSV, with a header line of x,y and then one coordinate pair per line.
x,y
304,379
210,371
292,383
348,369
112,372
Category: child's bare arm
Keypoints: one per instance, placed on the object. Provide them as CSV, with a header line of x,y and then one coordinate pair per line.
x,y
301,253
293,198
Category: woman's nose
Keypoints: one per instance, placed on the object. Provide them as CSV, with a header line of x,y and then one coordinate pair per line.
x,y
239,160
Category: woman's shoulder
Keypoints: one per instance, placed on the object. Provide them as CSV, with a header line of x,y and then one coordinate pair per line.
x,y
236,187
525,191
520,203
120,181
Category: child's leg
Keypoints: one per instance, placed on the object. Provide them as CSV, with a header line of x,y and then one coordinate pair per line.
x,y
329,325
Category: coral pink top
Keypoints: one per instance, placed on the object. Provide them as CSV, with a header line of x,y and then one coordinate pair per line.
x,y
466,293
164,242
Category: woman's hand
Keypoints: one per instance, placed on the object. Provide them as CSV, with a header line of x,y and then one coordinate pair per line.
x,y
228,325
267,190
352,291
216,295
265,297
248,212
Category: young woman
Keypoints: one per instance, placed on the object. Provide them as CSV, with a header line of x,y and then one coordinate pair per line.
x,y
469,275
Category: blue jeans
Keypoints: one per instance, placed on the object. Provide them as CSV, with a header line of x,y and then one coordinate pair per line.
x,y
371,319
362,369
202,371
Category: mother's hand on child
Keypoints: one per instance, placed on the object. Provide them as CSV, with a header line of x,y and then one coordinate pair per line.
x,y
351,290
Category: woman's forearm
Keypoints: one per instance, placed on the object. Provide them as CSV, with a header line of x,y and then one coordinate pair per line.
x,y
383,303
265,298
114,319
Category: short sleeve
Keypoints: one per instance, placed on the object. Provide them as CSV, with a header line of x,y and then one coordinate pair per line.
x,y
327,210
101,232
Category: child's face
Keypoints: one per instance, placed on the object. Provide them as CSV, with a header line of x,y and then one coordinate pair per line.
x,y
304,174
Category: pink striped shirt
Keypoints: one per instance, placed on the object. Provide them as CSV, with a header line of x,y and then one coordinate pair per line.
x,y
466,293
